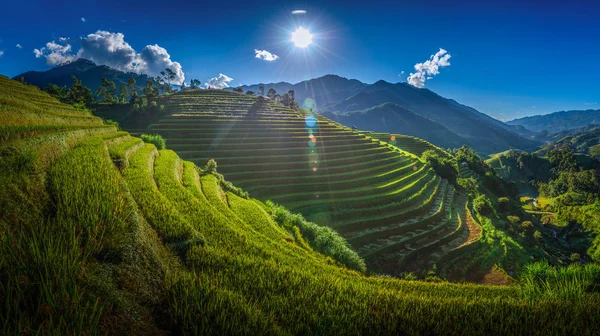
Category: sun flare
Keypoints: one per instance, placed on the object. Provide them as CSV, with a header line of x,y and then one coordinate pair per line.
x,y
302,38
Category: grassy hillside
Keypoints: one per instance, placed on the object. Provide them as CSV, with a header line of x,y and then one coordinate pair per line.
x,y
103,234
388,204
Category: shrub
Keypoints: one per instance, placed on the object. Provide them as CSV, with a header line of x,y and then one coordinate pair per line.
x,y
575,257
211,166
540,281
503,204
537,235
483,206
443,166
527,227
155,139
111,123
321,238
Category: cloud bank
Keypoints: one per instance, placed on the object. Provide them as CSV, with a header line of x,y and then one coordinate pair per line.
x,y
220,82
111,49
429,68
265,55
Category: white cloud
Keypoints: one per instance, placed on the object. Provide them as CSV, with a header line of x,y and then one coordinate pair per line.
x,y
19,46
111,49
220,82
298,12
153,59
1,53
82,19
429,68
55,53
265,55
590,103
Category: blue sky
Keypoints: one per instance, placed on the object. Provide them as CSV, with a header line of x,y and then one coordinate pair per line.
x,y
507,60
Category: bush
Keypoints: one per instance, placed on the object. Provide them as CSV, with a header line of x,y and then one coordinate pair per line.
x,y
111,123
321,238
575,257
211,166
443,166
483,206
155,139
503,204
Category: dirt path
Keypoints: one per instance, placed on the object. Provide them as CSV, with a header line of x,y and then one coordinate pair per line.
x,y
492,277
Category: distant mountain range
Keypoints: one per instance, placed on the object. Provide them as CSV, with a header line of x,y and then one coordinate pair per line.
x,y
559,121
402,108
87,71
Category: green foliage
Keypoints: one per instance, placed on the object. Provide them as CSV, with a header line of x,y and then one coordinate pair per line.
x,y
57,92
540,281
483,206
320,238
109,122
211,166
78,94
503,204
155,139
469,184
444,166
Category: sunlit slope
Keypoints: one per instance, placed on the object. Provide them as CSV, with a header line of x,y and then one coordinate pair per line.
x,y
103,234
393,209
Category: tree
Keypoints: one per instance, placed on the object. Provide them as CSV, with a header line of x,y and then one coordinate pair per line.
x,y
56,91
285,99
271,94
503,204
78,94
131,84
150,90
261,90
123,94
444,166
250,93
107,90
483,206
239,90
194,83
537,235
293,103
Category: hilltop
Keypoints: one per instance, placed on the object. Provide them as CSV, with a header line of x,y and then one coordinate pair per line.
x,y
559,121
339,97
87,71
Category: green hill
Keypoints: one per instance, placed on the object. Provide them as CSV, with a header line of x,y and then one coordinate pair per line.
x,y
388,204
101,233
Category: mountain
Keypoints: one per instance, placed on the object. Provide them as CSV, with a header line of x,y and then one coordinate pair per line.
x,y
585,142
323,90
559,121
87,71
392,118
336,97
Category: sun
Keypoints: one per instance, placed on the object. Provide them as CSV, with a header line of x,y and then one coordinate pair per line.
x,y
302,38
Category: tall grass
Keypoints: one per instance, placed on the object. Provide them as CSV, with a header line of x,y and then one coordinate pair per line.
x,y
540,281
320,238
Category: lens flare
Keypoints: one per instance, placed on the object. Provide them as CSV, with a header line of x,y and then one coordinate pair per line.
x,y
311,121
393,138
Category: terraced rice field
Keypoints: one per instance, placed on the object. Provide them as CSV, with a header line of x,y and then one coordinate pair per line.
x,y
389,205
101,233
407,143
